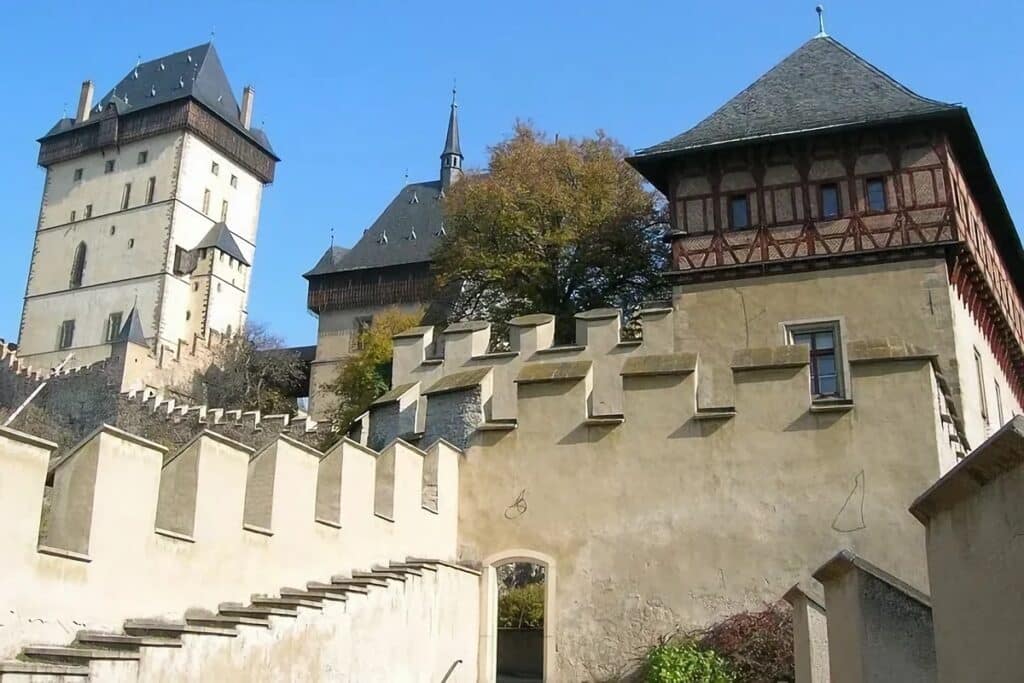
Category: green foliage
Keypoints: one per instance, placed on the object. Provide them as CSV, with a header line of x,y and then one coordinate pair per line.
x,y
521,607
366,374
555,226
757,645
685,662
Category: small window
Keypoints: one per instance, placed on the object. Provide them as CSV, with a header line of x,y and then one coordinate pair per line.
x,y
826,370
188,315
150,190
143,157
113,229
876,194
215,168
108,166
218,286
131,242
234,181
362,325
829,198
999,403
206,202
88,210
126,195
78,175
739,212
224,210
78,267
983,400
113,326
66,334
195,286
74,215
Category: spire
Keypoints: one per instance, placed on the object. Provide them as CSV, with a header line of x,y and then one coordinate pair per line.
x,y
451,156
821,22
132,330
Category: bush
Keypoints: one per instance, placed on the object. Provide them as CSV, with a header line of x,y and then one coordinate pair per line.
x,y
757,645
521,607
686,662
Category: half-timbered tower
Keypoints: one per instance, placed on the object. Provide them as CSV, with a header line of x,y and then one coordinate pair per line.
x,y
828,204
151,200
388,267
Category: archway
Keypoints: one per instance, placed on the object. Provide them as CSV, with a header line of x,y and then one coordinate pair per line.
x,y
489,612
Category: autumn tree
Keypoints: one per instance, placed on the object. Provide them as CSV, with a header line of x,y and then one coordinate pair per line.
x,y
556,226
366,374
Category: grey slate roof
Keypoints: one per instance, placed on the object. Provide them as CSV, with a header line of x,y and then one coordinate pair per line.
x,y
412,224
329,262
821,85
196,72
451,140
132,330
220,237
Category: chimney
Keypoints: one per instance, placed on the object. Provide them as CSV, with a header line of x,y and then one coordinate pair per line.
x,y
84,102
247,96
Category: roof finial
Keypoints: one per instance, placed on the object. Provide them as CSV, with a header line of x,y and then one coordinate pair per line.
x,y
405,177
332,238
821,22
454,103
213,33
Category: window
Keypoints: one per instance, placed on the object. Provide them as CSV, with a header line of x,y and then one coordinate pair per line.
x,y
143,157
73,216
78,174
218,286
362,324
78,267
195,286
131,242
206,202
113,326
108,166
88,210
150,190
999,403
829,198
188,315
126,195
113,229
234,181
215,168
739,212
876,194
822,339
224,210
983,400
66,334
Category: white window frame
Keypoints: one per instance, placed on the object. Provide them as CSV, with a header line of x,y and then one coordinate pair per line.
x,y
838,326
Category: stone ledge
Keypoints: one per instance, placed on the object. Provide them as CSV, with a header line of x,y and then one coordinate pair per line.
x,y
34,669
599,314
174,535
531,320
846,560
458,381
771,357
659,364
567,348
467,326
605,420
533,373
393,394
257,530
868,350
718,413
832,406
413,332
61,552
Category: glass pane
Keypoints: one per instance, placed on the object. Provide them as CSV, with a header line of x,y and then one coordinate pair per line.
x,y
829,201
826,365
876,195
738,212
827,385
802,338
823,340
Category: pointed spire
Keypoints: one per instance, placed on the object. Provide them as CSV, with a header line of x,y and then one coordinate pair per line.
x,y
132,330
821,22
451,156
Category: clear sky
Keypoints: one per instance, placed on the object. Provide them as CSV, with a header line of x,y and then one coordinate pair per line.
x,y
354,93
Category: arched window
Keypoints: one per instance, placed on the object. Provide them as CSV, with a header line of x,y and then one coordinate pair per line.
x,y
78,266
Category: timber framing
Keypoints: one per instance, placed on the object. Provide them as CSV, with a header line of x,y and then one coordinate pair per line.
x,y
110,129
411,283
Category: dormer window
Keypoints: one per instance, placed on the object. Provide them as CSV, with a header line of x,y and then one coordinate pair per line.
x,y
739,212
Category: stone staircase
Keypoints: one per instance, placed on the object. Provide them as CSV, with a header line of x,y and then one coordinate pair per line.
x,y
254,642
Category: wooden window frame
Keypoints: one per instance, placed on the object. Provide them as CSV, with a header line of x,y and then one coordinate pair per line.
x,y
745,196
66,335
867,194
835,326
114,329
821,201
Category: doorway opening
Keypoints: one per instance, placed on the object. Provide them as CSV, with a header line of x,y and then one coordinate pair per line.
x,y
521,616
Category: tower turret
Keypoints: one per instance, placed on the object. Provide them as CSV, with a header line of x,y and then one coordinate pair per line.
x,y
451,156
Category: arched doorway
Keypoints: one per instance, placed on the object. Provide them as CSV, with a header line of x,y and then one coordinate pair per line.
x,y
531,572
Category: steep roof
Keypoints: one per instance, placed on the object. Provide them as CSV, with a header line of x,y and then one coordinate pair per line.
x,y
132,330
196,72
220,237
821,85
406,232
451,139
329,262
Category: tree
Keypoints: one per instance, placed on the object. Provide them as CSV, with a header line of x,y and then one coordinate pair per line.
x,y
253,371
554,226
366,374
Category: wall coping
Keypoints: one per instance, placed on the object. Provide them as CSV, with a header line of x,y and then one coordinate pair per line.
x,y
771,357
532,373
393,395
531,320
23,437
458,381
812,590
413,332
113,431
867,350
846,560
467,326
659,364
227,441
1000,453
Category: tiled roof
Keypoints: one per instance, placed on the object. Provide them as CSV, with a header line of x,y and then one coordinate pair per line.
x,y
195,72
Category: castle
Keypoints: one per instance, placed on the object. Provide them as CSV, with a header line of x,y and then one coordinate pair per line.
x,y
845,327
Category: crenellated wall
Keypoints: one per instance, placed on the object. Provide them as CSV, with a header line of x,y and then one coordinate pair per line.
x,y
136,531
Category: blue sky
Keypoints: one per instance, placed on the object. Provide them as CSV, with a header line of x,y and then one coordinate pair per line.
x,y
352,94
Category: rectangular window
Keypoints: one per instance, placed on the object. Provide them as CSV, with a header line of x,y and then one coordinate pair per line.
x,y
829,198
822,339
73,215
206,202
126,195
78,174
739,212
215,168
66,334
150,189
999,403
224,210
108,167
143,157
983,400
234,181
88,210
362,325
876,193
113,326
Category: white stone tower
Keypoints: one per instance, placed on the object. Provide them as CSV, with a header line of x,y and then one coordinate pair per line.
x,y
152,201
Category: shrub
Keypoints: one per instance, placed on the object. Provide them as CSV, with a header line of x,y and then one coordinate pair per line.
x,y
686,662
521,607
757,645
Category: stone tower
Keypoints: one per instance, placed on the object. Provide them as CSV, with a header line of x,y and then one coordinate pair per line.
x,y
151,200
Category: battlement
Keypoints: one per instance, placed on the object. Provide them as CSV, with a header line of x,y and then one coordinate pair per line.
x,y
129,517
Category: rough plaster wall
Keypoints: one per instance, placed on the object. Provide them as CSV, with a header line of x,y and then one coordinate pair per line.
x,y
453,416
385,425
898,641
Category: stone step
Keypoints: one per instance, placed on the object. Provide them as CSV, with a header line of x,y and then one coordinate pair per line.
x,y
223,621
422,566
102,639
374,574
287,592
349,581
290,602
334,588
169,629
59,654
393,569
28,672
234,609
